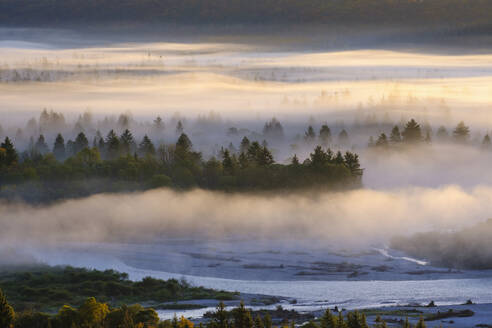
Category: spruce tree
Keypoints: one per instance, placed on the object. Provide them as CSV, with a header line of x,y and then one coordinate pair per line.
x,y
343,137
7,313
127,142
40,146
59,147
461,133
10,152
112,145
395,136
81,142
486,143
412,132
244,145
309,135
146,147
421,323
325,135
382,141
328,320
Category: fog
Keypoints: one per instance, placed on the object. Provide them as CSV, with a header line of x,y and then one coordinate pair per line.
x,y
360,216
212,85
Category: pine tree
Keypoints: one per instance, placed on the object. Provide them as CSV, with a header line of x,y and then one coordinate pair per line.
x,y
325,135
295,160
7,313
227,162
244,145
179,128
461,133
146,147
412,132
59,147
184,143
127,142
328,320
343,137
421,323
81,142
40,146
112,145
258,322
273,129
158,125
242,317
382,141
486,142
395,136
11,156
220,317
310,135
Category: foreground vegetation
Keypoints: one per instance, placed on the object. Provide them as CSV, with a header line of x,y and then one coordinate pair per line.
x,y
95,314
48,288
117,163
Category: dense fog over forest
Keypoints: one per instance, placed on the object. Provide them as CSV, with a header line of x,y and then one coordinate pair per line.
x,y
313,164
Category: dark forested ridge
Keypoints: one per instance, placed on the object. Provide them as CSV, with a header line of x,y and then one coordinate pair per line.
x,y
377,12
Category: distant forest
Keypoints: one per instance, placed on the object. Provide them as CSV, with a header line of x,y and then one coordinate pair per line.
x,y
453,13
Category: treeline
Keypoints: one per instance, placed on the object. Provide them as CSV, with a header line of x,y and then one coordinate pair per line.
x,y
414,134
119,163
93,314
48,288
377,12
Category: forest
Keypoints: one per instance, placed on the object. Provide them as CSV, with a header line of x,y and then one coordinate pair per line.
x,y
52,12
117,163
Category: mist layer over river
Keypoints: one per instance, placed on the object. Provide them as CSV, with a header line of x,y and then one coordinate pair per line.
x,y
444,186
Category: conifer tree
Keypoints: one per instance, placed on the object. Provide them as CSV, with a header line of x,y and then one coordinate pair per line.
x,y
81,142
11,156
146,147
127,143
486,143
461,133
382,141
325,135
420,323
59,147
112,145
310,135
40,146
412,132
395,136
245,143
7,313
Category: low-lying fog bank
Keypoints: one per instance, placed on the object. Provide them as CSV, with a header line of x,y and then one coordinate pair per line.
x,y
354,219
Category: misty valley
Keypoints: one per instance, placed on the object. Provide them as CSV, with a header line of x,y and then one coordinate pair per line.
x,y
183,165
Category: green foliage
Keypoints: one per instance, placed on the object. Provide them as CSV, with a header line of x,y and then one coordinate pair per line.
x,y
6,312
110,167
47,288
